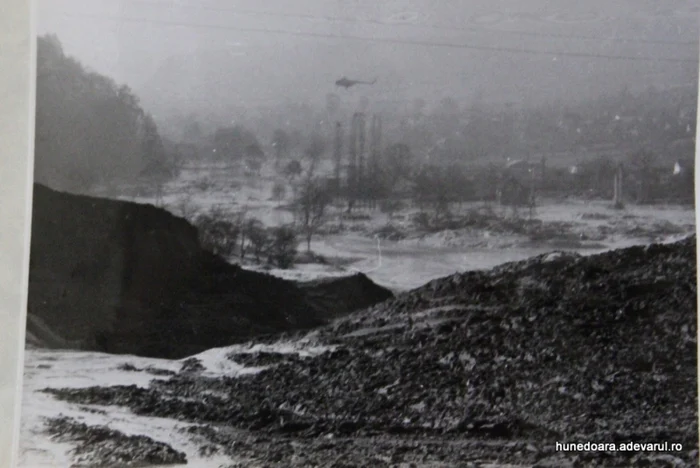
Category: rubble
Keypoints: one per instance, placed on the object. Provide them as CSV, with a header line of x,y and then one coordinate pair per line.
x,y
101,447
499,364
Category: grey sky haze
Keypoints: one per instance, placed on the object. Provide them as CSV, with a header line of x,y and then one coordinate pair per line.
x,y
203,55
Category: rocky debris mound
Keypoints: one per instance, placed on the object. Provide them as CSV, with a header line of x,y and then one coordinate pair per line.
x,y
150,369
192,366
555,348
121,277
99,446
263,358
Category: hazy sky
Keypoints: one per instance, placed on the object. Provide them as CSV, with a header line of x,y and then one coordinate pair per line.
x,y
213,53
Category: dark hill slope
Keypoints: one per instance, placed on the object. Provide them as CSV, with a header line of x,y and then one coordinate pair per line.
x,y
128,278
346,294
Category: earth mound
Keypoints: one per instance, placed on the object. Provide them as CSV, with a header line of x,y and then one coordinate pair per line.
x,y
121,277
346,294
497,365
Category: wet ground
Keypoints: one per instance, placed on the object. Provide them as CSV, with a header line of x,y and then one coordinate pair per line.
x,y
477,369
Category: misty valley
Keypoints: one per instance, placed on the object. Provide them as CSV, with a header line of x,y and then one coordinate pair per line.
x,y
363,275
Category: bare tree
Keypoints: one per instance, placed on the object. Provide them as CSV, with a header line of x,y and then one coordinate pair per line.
x,y
186,207
311,207
251,229
279,191
254,166
292,169
259,239
218,233
281,142
314,152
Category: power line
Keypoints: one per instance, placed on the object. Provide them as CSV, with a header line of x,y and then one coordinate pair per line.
x,y
242,11
389,40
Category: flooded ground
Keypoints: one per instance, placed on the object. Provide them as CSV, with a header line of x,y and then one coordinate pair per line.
x,y
403,264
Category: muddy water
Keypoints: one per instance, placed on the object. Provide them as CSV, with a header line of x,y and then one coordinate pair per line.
x,y
401,267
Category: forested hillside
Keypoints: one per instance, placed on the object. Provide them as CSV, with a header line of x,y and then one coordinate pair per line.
x,y
89,130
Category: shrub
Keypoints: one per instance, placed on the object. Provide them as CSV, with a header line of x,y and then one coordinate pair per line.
x,y
258,238
422,221
283,247
218,235
390,207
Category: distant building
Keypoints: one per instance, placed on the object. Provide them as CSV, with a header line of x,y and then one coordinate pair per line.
x,y
677,168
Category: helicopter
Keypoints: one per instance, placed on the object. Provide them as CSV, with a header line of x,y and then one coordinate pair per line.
x,y
347,83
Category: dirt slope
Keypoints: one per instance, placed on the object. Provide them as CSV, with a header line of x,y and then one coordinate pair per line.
x,y
494,365
345,295
122,277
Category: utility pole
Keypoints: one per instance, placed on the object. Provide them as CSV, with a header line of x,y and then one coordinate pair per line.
x,y
362,160
375,155
351,182
376,145
338,155
617,188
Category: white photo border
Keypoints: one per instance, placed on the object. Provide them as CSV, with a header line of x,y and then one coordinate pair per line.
x,y
17,107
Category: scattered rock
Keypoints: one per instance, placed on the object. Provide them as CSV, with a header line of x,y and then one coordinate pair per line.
x,y
498,364
192,366
151,370
99,446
